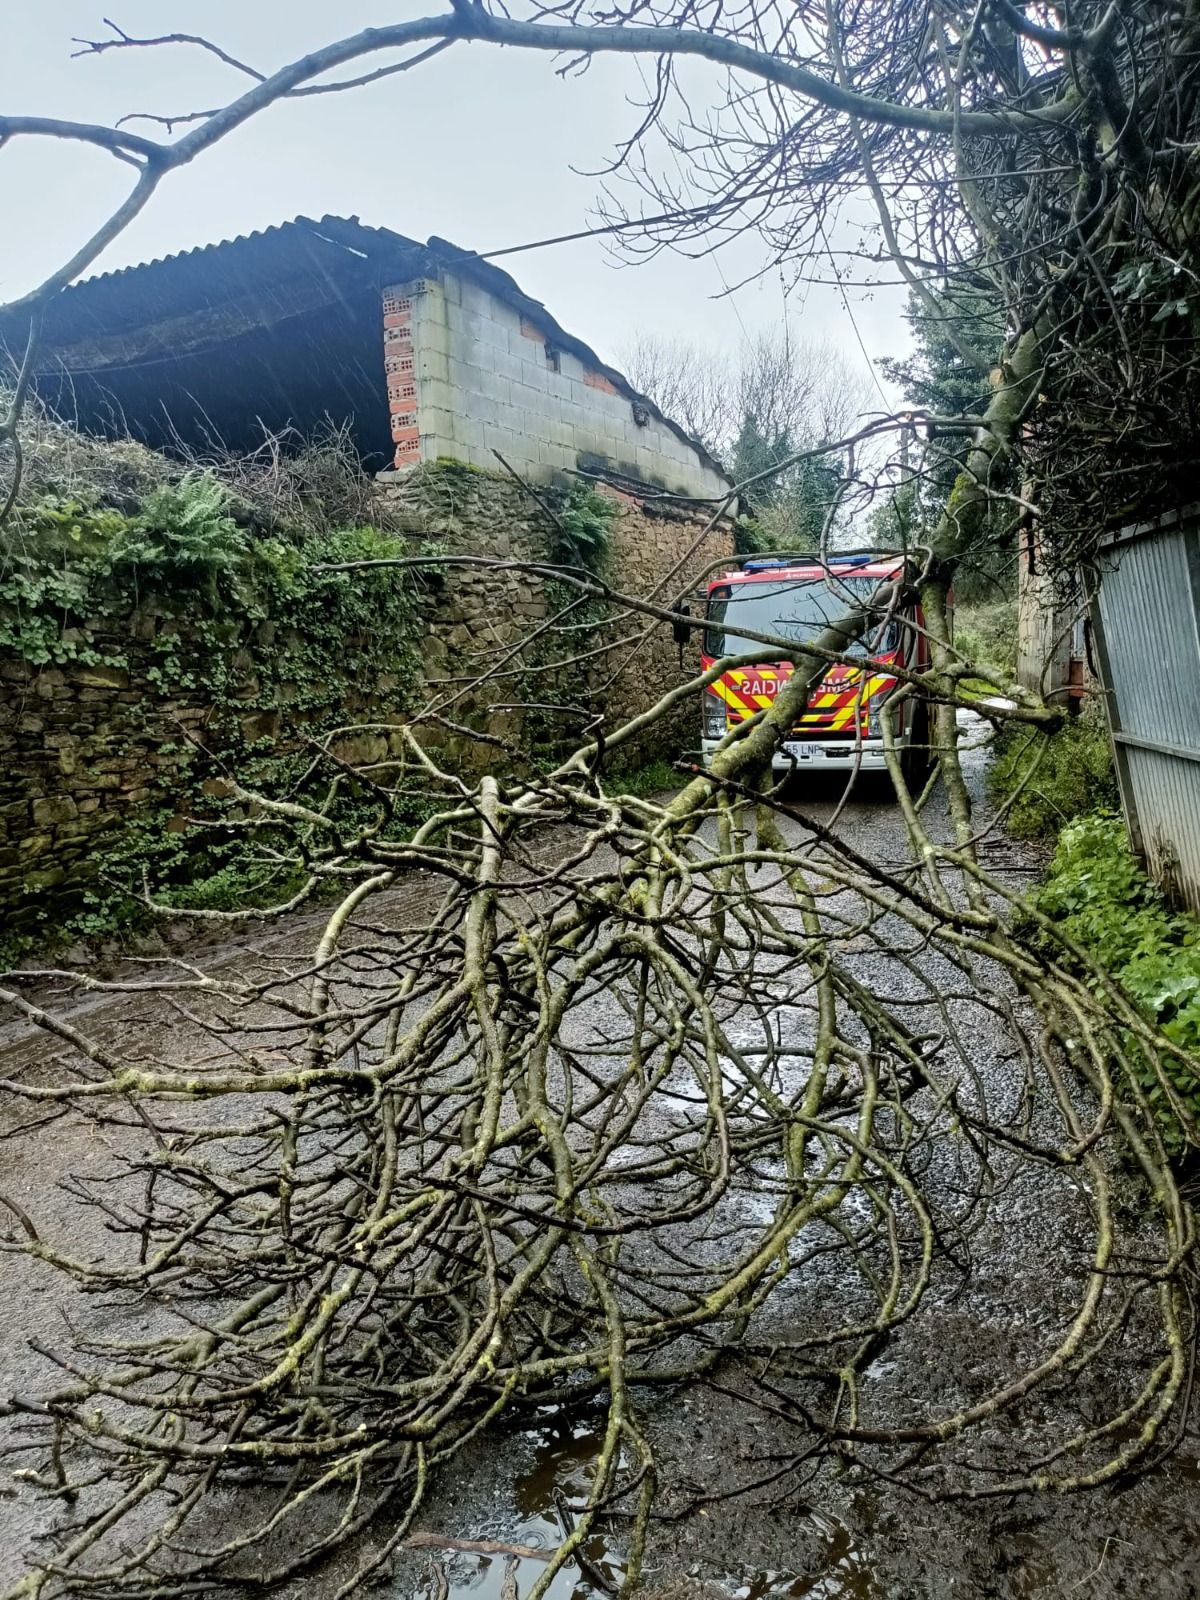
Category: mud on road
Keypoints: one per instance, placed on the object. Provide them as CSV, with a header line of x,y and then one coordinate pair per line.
x,y
832,1533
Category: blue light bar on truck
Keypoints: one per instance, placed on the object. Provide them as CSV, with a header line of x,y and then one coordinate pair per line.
x,y
770,563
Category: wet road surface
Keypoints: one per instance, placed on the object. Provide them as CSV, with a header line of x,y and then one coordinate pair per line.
x,y
829,1536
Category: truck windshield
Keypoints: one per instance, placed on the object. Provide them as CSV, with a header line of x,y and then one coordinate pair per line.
x,y
795,609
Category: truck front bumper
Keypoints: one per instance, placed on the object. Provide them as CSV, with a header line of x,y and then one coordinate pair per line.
x,y
802,755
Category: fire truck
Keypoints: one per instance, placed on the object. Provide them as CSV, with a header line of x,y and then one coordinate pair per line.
x,y
795,597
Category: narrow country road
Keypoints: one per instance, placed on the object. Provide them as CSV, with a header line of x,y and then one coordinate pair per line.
x,y
827,1534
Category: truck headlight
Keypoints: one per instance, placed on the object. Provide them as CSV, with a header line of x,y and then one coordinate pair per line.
x,y
875,717
713,717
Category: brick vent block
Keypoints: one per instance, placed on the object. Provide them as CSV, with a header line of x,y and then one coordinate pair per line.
x,y
597,380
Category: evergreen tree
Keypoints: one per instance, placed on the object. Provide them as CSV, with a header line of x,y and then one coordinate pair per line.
x,y
792,505
938,377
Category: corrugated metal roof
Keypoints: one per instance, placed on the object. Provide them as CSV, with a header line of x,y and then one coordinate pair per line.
x,y
348,252
276,230
172,285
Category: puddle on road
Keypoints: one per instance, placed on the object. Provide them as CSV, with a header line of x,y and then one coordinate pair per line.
x,y
562,1470
561,1465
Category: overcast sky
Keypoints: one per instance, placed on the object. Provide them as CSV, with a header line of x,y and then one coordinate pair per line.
x,y
478,146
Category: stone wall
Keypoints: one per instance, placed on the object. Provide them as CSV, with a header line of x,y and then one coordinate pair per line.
x,y
97,757
488,621
92,753
469,374
77,756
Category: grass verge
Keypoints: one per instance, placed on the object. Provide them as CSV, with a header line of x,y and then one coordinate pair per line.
x,y
1047,780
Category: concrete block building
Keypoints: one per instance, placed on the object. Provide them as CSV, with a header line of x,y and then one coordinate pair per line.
x,y
424,351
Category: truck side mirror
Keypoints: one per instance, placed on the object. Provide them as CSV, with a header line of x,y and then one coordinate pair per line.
x,y
681,626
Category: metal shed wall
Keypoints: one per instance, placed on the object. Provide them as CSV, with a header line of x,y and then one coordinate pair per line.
x,y
1146,618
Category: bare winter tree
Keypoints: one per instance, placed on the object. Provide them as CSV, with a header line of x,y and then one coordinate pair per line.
x,y
495,1158
691,384
796,388
775,398
996,145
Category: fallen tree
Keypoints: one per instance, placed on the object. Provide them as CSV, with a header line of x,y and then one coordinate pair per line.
x,y
514,1151
505,1154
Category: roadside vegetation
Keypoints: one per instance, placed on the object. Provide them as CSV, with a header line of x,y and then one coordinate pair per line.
x,y
651,778
200,583
985,631
1103,902
1058,789
189,585
1044,782
1061,789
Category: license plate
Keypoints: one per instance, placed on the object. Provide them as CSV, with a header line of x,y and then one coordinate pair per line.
x,y
802,752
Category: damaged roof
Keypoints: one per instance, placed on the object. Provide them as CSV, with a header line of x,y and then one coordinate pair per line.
x,y
103,338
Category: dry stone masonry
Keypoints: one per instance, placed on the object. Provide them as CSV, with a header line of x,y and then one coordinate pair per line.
x,y
91,752
481,623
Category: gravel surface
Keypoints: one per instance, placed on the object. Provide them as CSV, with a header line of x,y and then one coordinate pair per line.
x,y
837,1536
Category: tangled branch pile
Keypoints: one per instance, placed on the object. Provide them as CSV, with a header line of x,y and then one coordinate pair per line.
x,y
647,1090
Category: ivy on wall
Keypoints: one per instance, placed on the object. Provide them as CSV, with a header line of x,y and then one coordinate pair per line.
x,y
580,536
157,639
189,605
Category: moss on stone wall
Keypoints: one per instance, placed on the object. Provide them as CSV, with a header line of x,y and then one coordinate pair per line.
x,y
144,658
541,675
150,654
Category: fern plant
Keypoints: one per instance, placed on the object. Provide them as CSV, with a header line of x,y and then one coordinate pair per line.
x,y
583,536
185,534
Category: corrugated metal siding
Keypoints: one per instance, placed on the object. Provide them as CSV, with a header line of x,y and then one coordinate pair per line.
x,y
1165,791
1149,634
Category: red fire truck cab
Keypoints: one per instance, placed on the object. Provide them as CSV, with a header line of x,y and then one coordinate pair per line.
x,y
794,598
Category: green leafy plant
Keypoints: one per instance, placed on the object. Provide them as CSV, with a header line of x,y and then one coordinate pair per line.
x,y
69,562
654,777
186,534
1099,895
583,535
1153,282
192,605
52,566
1054,777
580,537
749,537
